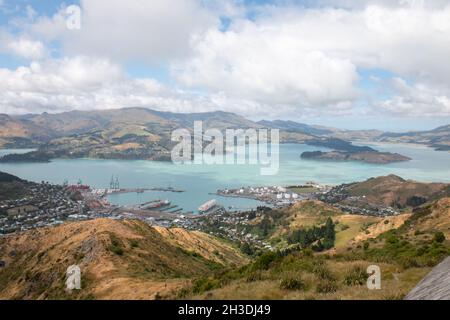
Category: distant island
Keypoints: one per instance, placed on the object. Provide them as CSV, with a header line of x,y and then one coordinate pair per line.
x,y
365,156
346,151
32,156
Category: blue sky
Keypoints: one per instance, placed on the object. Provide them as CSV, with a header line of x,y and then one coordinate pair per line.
x,y
326,62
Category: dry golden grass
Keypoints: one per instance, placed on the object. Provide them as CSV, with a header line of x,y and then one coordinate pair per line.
x,y
135,289
118,259
204,244
395,284
306,214
355,225
439,219
382,226
126,146
13,129
310,213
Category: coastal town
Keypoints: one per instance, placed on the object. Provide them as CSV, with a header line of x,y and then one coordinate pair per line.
x,y
234,226
46,204
339,197
277,196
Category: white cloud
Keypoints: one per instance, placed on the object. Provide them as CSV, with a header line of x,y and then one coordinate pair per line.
x,y
86,83
418,100
21,47
310,57
259,63
150,31
287,59
70,83
27,48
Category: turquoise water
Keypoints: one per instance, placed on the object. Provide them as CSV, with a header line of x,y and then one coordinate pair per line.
x,y
200,180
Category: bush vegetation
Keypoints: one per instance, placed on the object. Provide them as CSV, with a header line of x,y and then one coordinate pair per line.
x,y
318,238
356,276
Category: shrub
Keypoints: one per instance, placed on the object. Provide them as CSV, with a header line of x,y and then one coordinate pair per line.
x,y
323,273
134,243
246,249
292,283
115,246
265,260
326,286
409,262
158,296
116,250
356,276
254,276
439,237
392,239
205,284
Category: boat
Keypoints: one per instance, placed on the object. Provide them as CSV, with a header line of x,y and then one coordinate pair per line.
x,y
207,206
156,204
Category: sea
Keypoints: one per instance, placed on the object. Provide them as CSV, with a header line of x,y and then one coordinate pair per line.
x,y
200,182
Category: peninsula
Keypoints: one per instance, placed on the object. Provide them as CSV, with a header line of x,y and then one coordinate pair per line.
x,y
346,151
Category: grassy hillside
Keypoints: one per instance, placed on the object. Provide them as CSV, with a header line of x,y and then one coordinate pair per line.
x,y
306,215
11,187
405,250
394,191
130,133
34,129
119,260
132,260
293,126
438,138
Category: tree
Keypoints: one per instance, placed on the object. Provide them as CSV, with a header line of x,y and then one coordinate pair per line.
x,y
439,237
265,226
330,233
366,245
246,249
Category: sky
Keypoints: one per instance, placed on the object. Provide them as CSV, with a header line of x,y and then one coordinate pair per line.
x,y
366,64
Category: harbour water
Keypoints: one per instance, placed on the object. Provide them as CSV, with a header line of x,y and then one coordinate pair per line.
x,y
199,181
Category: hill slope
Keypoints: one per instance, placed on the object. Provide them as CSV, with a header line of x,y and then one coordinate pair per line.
x,y
294,127
11,187
376,194
405,249
438,138
394,191
118,260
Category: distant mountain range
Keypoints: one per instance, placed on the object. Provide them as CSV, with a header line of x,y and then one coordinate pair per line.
x,y
295,127
438,138
141,133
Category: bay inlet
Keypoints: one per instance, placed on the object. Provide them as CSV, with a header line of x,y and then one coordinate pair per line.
x,y
199,182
